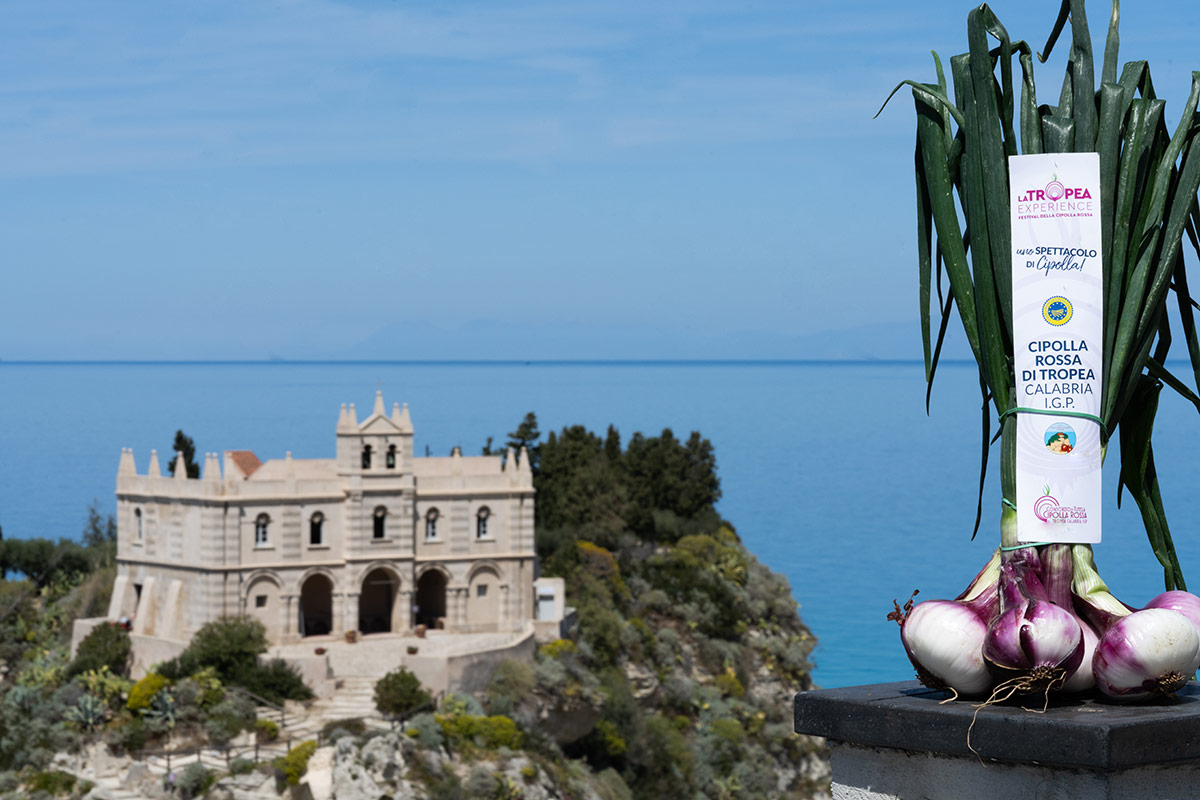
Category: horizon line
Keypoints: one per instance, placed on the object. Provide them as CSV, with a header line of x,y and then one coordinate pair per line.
x,y
469,362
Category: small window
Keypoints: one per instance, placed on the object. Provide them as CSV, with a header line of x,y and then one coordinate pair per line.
x,y
431,520
260,601
481,523
137,515
366,456
481,590
261,538
380,522
315,522
391,456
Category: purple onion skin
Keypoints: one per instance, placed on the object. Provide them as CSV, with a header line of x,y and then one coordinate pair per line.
x,y
1185,603
944,641
1041,634
1152,652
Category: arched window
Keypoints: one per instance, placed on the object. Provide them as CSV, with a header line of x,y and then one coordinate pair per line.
x,y
380,522
137,515
260,530
366,459
431,520
391,456
481,523
314,528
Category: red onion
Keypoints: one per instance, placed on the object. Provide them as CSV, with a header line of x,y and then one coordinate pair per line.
x,y
1185,603
1083,679
944,640
1150,652
1041,642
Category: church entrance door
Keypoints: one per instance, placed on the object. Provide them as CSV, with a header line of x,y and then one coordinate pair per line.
x,y
431,598
377,602
316,606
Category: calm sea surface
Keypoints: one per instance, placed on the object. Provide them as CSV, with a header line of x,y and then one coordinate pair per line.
x,y
832,473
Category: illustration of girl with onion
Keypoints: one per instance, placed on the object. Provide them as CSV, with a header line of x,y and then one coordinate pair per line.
x,y
1059,443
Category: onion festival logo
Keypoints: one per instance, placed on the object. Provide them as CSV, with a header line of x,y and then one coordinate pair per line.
x,y
1057,310
1047,509
1054,191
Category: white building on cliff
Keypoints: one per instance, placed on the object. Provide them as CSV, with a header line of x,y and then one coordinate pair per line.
x,y
374,540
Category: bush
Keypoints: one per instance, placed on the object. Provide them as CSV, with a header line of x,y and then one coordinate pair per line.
x,y
143,692
228,718
511,682
487,732
104,684
208,687
558,648
275,681
89,712
354,726
426,729
295,763
729,730
194,781
613,744
54,781
399,692
107,646
241,766
128,735
231,645
727,683
266,730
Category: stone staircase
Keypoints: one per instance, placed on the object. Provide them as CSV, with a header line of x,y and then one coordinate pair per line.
x,y
354,697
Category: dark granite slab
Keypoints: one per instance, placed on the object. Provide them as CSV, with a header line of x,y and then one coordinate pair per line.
x,y
1086,734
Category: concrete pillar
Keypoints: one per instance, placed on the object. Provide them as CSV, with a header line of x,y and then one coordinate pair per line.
x,y
289,622
402,611
337,624
896,741
350,620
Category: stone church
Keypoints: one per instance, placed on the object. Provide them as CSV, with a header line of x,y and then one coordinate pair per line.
x,y
372,541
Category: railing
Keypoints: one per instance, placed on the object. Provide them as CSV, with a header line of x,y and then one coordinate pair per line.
x,y
181,754
262,701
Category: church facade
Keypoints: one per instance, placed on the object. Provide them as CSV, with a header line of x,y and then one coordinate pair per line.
x,y
372,541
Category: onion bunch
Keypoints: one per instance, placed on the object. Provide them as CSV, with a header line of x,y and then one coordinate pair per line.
x,y
1039,618
1045,621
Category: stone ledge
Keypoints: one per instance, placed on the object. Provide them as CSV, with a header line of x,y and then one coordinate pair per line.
x,y
1084,734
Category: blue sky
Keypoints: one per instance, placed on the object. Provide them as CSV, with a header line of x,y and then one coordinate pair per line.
x,y
313,179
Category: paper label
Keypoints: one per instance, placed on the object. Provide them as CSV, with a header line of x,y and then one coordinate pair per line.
x,y
1058,329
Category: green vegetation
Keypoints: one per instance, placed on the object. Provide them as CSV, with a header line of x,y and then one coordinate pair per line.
x,y
184,444
105,648
229,648
678,679
194,781
399,693
1149,178
145,690
295,763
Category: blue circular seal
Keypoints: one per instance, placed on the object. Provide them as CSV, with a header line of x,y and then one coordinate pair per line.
x,y
1057,310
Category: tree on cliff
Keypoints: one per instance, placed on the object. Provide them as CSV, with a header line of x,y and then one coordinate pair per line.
x,y
526,435
184,444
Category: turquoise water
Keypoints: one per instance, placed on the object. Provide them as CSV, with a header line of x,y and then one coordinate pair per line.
x,y
831,472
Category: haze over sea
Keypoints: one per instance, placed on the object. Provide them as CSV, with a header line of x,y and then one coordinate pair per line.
x,y
831,472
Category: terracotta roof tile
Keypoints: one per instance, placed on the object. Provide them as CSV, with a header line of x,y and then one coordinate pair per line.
x,y
245,461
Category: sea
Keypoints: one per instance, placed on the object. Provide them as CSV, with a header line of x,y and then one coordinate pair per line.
x,y
832,473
